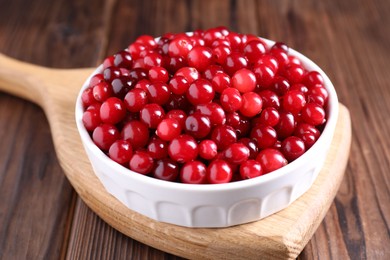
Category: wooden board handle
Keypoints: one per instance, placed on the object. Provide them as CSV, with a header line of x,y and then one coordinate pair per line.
x,y
37,83
22,79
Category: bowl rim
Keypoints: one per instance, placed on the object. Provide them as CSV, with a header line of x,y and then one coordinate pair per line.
x,y
328,131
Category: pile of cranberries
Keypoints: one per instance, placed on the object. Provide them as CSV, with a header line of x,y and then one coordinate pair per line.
x,y
211,107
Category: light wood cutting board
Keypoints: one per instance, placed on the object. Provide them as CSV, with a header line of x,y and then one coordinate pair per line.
x,y
279,236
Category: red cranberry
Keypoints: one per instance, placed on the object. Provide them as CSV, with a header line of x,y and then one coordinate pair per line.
x,y
236,153
280,85
250,169
158,74
166,170
180,46
294,101
234,61
252,146
105,135
220,53
270,99
208,149
197,125
152,60
135,100
200,58
313,78
269,116
264,75
108,62
158,92
254,50
264,135
94,106
197,40
299,87
112,111
294,73
146,40
233,119
234,40
179,115
294,60
280,46
102,91
304,128
200,92
193,173
95,79
189,73
157,148
135,49
220,82
220,42
269,61
123,59
212,71
141,162
136,132
91,119
244,80
152,114
223,136
168,129
138,74
308,139
111,73
292,148
121,86
121,152
271,160
178,85
139,63
219,171
211,35
87,97
251,104
143,84
231,99
286,125
281,56
240,124
317,94
173,64
313,114
214,112
183,148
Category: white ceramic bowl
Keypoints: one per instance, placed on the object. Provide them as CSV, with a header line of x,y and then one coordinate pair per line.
x,y
219,205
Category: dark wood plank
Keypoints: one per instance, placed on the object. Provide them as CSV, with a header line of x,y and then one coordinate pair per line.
x,y
355,62
37,201
92,238
36,198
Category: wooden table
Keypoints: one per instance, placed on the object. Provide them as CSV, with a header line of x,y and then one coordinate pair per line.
x,y
41,216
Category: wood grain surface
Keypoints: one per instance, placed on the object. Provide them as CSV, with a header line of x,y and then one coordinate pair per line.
x,y
40,215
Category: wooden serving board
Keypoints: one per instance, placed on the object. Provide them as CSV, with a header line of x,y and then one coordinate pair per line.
x,y
281,236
